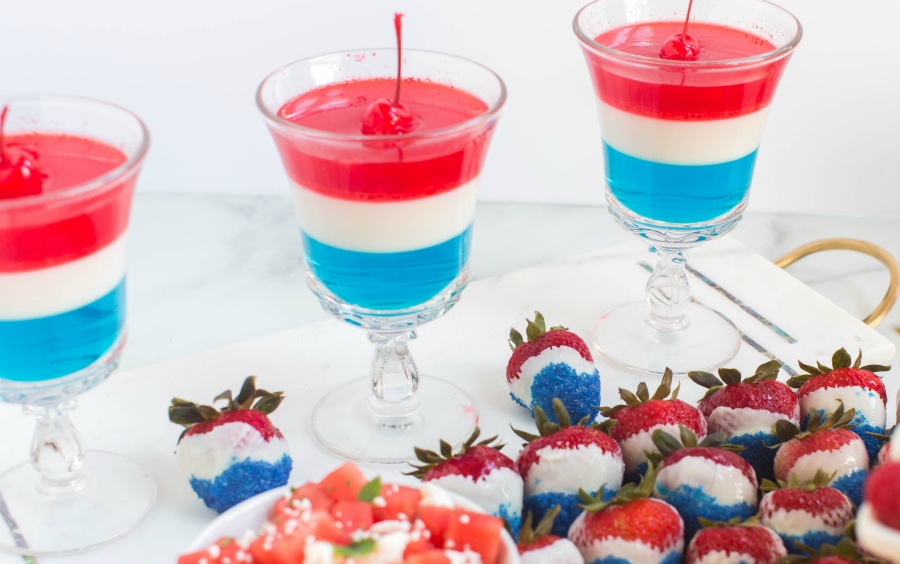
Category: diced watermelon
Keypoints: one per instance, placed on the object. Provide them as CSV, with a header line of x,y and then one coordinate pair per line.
x,y
343,483
280,550
400,503
435,519
430,557
290,504
420,540
224,549
353,515
477,532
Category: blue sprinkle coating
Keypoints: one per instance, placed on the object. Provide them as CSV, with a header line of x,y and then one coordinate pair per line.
x,y
242,480
760,457
512,517
693,503
852,485
812,539
539,504
863,428
579,391
671,557
635,475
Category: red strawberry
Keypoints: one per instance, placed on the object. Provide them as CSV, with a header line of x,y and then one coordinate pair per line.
x,y
631,526
554,363
537,545
747,542
882,493
826,445
642,414
856,386
822,511
745,410
564,459
233,454
479,472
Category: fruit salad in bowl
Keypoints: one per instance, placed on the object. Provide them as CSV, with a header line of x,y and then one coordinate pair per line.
x,y
346,517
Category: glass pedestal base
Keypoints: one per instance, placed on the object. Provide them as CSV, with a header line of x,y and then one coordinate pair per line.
x,y
352,422
622,337
109,501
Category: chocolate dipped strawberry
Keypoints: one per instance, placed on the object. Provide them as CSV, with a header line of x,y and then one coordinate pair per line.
x,y
857,387
641,414
746,409
479,472
746,542
552,363
537,545
563,459
703,480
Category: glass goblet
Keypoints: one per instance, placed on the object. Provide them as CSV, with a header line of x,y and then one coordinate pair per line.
x,y
680,140
386,224
62,314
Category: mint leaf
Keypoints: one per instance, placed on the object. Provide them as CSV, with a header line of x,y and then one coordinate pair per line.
x,y
358,548
370,491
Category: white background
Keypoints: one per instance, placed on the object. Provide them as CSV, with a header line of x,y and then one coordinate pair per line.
x,y
190,69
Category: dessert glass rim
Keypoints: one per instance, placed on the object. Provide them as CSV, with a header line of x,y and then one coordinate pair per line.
x,y
778,52
274,119
131,163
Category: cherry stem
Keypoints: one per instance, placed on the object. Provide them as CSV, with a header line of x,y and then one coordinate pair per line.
x,y
397,26
686,19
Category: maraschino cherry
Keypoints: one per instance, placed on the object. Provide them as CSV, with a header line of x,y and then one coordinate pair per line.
x,y
389,117
681,46
19,175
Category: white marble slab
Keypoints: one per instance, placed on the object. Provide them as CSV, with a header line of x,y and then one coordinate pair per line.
x,y
467,346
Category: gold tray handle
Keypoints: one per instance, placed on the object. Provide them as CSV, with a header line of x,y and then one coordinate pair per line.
x,y
858,246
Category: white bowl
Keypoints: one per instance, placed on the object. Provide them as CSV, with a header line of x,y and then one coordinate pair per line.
x,y
878,539
251,513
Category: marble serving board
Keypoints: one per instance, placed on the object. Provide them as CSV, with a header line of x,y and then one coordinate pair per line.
x,y
779,316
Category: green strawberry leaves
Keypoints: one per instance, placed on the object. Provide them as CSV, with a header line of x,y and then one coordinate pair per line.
x,y
731,376
187,413
534,330
840,359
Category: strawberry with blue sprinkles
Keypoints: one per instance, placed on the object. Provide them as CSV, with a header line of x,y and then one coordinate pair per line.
x,y
630,528
746,409
552,363
231,454
854,385
564,459
703,480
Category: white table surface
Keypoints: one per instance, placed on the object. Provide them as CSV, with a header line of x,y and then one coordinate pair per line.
x,y
206,272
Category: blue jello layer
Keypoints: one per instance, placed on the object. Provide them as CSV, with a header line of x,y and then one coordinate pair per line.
x,y
58,345
693,503
570,508
579,391
242,480
388,281
677,193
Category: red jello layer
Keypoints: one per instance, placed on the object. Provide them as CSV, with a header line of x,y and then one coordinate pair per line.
x,y
50,232
377,168
690,90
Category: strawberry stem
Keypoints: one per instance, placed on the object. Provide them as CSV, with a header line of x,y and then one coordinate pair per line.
x,y
397,27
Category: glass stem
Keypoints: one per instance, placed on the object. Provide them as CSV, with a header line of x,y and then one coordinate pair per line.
x,y
668,292
395,377
57,452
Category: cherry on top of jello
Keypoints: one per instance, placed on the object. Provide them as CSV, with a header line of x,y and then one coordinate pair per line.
x,y
19,175
390,117
717,42
681,46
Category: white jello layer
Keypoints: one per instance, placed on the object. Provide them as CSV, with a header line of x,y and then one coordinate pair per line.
x,y
62,288
206,456
562,551
746,420
501,487
521,386
681,142
382,227
849,457
726,484
568,469
630,551
866,402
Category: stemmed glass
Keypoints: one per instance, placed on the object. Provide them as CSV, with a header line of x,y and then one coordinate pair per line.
x,y
386,224
62,316
680,139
